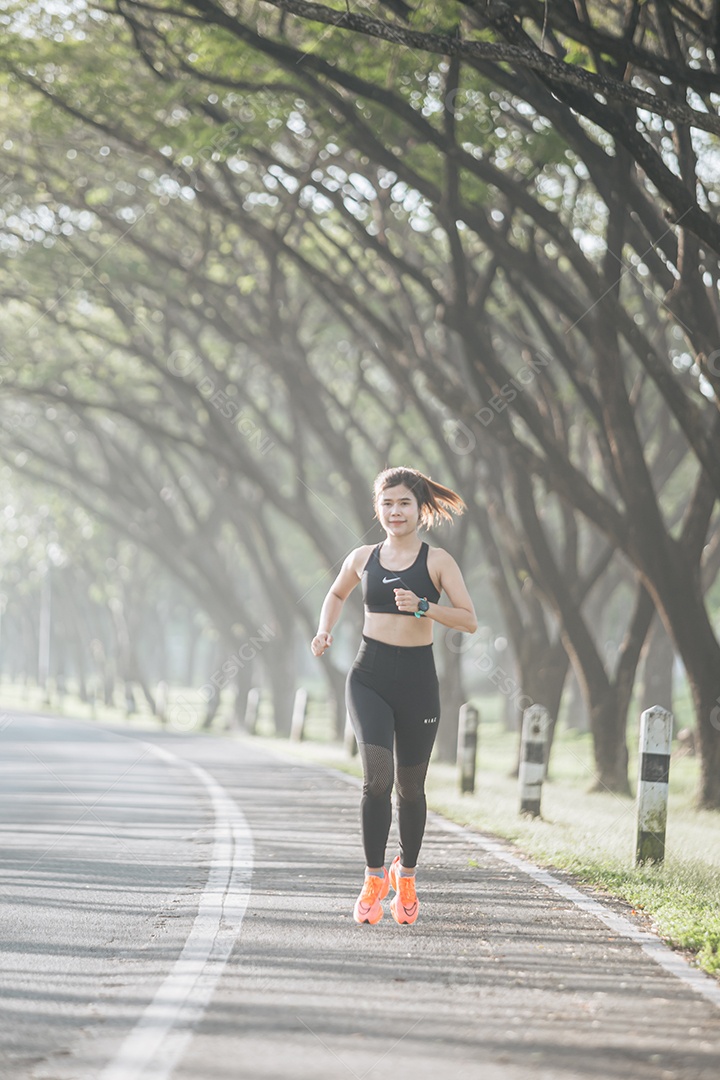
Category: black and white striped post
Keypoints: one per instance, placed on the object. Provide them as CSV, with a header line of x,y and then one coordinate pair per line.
x,y
535,731
297,724
468,726
652,794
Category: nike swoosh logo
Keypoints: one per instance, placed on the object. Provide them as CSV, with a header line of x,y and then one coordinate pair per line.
x,y
388,579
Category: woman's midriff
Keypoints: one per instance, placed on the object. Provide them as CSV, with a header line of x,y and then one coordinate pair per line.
x,y
398,629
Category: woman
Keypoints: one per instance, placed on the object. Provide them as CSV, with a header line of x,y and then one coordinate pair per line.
x,y
392,688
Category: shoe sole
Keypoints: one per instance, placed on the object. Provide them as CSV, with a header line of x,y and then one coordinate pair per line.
x,y
368,922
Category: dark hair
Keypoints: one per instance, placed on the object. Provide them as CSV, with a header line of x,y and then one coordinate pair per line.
x,y
436,502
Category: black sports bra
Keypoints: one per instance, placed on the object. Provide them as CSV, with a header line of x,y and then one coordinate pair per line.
x,y
378,584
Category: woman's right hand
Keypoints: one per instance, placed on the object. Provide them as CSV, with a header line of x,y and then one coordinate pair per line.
x,y
320,643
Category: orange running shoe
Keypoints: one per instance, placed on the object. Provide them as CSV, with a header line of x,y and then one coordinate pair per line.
x,y
368,908
404,905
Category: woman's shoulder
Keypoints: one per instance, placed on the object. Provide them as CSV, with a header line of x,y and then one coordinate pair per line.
x,y
359,556
364,549
436,552
438,556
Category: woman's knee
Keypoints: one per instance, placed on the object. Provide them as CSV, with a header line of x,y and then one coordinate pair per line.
x,y
410,782
377,787
377,770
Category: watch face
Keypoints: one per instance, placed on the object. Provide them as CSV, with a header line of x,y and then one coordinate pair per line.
x,y
423,605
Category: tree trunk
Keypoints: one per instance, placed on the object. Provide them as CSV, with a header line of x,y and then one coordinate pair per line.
x,y
279,662
211,709
336,685
543,675
191,646
282,692
108,681
609,708
605,699
576,714
657,685
452,696
706,696
220,652
608,724
698,646
243,681
678,593
80,666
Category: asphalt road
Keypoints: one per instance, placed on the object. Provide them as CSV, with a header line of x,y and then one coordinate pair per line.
x,y
186,912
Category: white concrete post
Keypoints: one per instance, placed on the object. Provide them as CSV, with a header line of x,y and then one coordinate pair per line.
x,y
297,724
252,707
44,633
653,775
161,701
535,731
467,746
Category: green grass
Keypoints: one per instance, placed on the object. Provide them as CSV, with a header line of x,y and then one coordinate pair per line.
x,y
589,834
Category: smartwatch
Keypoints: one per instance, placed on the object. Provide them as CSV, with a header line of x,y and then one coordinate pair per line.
x,y
423,605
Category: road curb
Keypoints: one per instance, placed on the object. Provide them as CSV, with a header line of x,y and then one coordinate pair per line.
x,y
653,946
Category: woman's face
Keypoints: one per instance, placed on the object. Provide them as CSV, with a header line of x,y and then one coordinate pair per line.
x,y
398,511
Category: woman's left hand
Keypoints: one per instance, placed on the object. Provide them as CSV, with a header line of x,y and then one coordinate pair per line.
x,y
406,600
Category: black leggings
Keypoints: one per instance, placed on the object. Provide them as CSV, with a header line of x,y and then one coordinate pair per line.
x,y
393,700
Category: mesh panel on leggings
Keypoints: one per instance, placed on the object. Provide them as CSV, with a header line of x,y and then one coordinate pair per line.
x,y
377,768
410,781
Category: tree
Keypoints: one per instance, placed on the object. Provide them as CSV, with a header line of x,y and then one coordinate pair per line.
x,y
439,169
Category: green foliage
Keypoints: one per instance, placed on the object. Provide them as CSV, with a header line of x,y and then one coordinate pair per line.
x,y
202,190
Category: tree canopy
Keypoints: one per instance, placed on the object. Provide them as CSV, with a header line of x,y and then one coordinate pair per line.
x,y
497,222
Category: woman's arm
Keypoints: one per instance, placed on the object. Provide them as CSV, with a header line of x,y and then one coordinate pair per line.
x,y
461,613
338,593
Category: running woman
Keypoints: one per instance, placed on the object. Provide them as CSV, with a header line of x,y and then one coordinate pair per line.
x,y
392,688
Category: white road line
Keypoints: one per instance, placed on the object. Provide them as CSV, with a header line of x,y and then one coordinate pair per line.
x,y
655,948
154,1046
